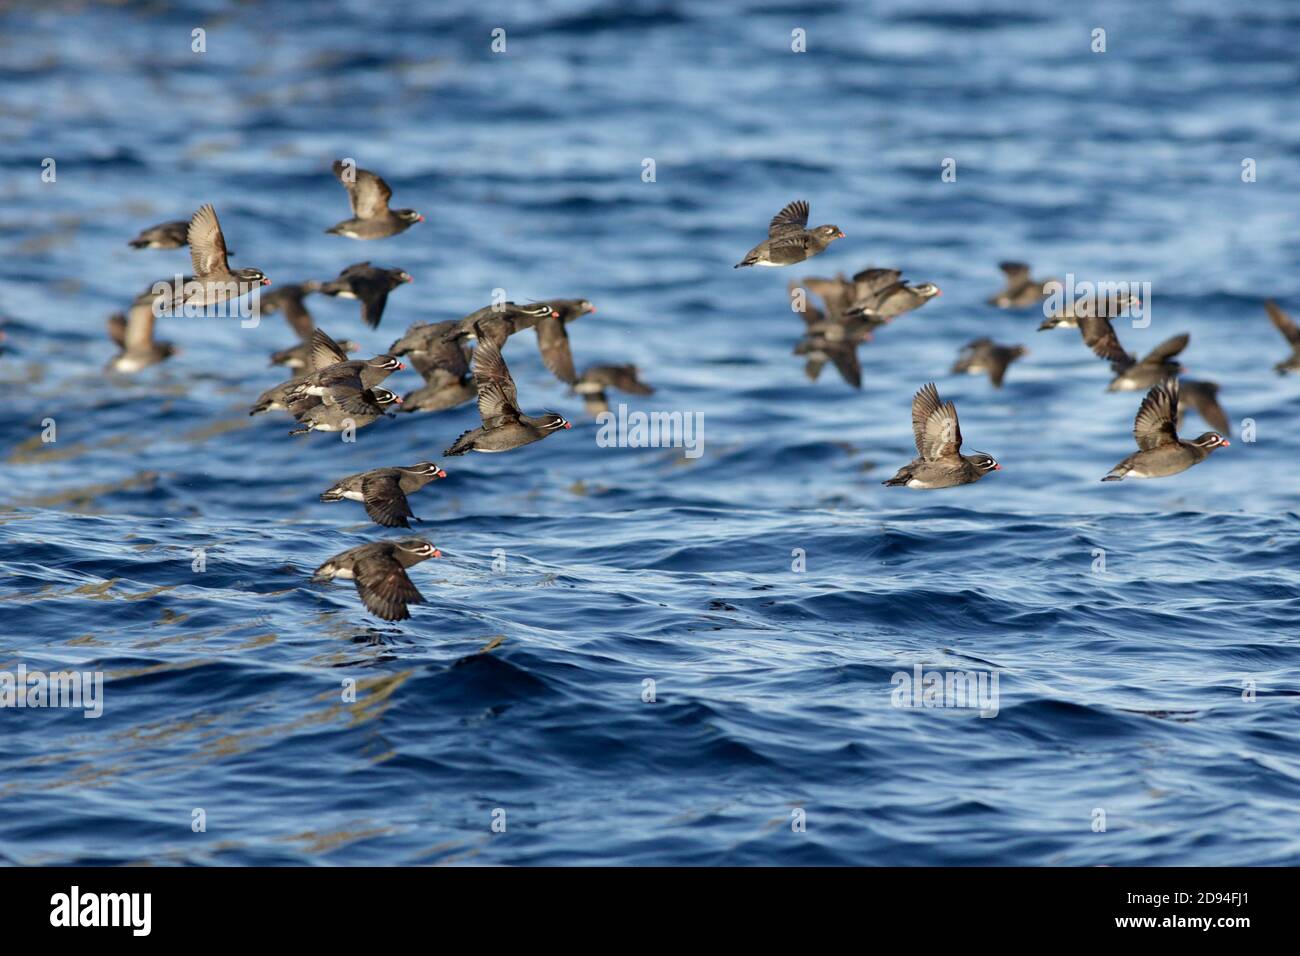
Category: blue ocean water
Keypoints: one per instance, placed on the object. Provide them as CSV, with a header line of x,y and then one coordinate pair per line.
x,y
1147,711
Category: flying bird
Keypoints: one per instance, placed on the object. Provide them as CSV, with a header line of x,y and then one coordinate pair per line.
x,y
379,571
1160,451
789,240
504,425
368,195
383,491
940,463
368,284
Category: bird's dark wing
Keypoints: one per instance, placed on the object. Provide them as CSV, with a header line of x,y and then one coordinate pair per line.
x,y
139,328
553,343
372,307
368,195
117,329
1154,424
1283,322
1204,397
384,587
324,351
385,503
793,218
845,358
934,425
1167,349
1099,335
497,400
207,244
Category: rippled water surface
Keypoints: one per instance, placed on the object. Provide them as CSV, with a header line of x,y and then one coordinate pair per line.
x,y
516,692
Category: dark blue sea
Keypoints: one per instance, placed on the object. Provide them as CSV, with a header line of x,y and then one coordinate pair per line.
x,y
1143,634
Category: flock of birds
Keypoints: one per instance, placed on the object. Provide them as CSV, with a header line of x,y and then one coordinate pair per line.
x,y
331,392
854,309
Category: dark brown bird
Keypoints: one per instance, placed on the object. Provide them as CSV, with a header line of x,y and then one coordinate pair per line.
x,y
370,285
328,369
165,235
379,571
368,195
1155,367
888,298
504,425
1110,306
984,356
848,321
938,444
213,280
500,321
337,412
553,336
322,353
1021,291
1160,451
1289,331
133,334
1097,333
444,366
1202,398
298,357
593,382
383,491
789,240
288,299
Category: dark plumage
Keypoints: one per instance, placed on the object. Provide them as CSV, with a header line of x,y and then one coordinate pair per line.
x,y
165,235
1160,451
594,381
1133,376
500,321
383,491
213,279
938,444
443,364
133,334
504,425
553,337
328,370
1097,333
368,195
984,356
379,571
789,240
1202,398
1287,327
886,296
368,284
1021,291
335,412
